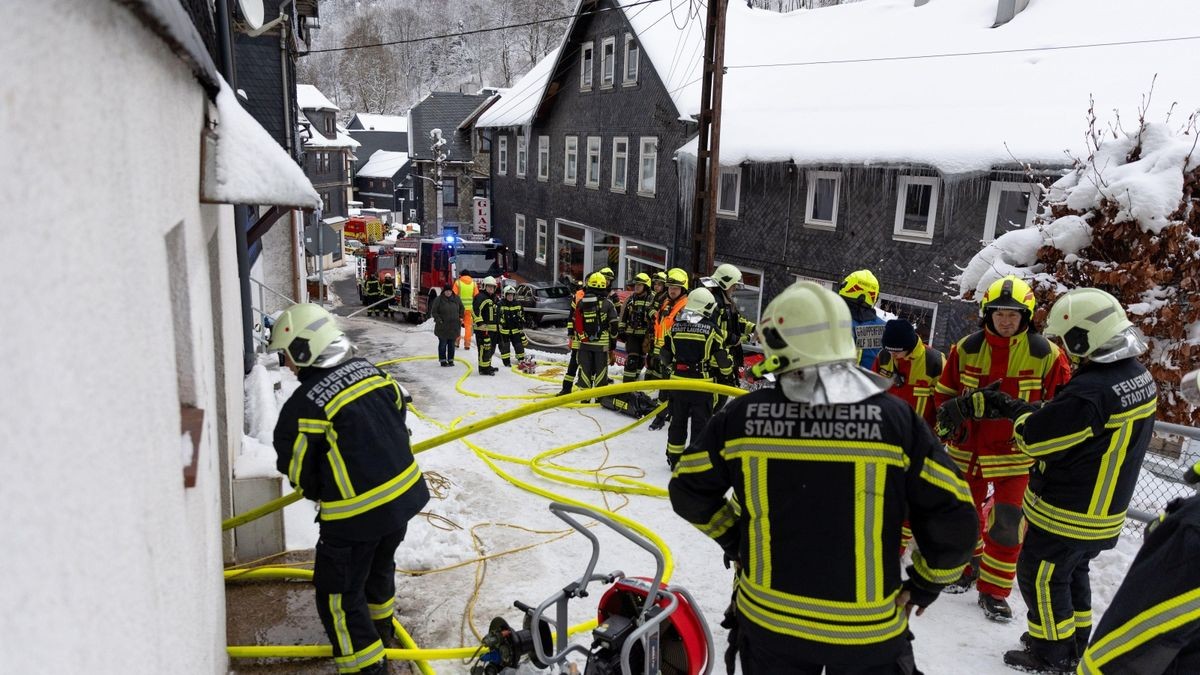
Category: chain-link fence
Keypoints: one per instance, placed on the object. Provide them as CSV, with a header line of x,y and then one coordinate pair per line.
x,y
1173,450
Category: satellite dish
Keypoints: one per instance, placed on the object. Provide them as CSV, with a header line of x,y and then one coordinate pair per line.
x,y
252,12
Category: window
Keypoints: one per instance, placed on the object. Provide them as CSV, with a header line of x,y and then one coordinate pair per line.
x,y
631,60
729,191
585,67
543,158
642,257
620,163
329,124
482,187
449,192
502,156
540,253
1011,206
648,166
522,155
519,247
608,62
571,160
370,182
916,209
824,188
325,202
920,313
592,177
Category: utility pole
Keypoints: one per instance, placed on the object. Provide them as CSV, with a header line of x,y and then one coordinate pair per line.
x,y
439,159
708,142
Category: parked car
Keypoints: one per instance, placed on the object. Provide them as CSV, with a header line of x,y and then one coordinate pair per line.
x,y
544,302
354,247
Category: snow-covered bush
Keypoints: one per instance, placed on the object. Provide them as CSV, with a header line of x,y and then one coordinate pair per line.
x,y
1125,219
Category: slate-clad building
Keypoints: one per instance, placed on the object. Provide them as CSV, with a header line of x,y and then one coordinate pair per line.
x,y
465,172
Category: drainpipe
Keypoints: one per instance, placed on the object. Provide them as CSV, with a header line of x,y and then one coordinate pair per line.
x,y
241,213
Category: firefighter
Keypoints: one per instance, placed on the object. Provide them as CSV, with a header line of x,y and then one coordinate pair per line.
x,y
673,302
572,371
595,324
372,292
635,325
724,281
823,467
1006,354
1088,441
912,366
486,325
1152,626
860,290
694,349
658,293
387,290
512,326
466,289
342,440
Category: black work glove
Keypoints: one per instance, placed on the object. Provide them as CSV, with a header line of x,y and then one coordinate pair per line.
x,y
992,403
919,594
951,416
1192,475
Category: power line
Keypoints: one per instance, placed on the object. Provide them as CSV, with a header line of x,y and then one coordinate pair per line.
x,y
960,54
477,30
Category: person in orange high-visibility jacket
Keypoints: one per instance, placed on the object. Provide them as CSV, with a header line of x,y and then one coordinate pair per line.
x,y
1005,355
673,302
466,289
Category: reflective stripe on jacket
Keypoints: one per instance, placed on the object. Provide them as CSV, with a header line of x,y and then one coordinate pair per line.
x,y
914,377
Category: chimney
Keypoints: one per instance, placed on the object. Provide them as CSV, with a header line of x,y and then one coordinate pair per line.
x,y
1007,9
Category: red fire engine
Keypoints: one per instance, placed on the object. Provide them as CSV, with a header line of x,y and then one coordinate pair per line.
x,y
432,264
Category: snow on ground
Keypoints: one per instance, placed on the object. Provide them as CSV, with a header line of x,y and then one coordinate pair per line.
x,y
480,513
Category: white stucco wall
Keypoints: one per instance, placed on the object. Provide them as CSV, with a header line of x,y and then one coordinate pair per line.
x,y
108,564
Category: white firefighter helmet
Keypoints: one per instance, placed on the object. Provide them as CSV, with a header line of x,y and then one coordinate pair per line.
x,y
489,281
806,325
304,330
701,301
727,276
1092,324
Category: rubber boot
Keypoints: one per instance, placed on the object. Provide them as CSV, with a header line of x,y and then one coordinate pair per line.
x,y
387,633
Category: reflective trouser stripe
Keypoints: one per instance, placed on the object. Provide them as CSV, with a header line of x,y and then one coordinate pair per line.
x,y
1049,628
382,610
1160,619
376,496
862,633
360,659
344,644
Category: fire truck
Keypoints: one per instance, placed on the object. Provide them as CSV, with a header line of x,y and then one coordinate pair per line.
x,y
419,267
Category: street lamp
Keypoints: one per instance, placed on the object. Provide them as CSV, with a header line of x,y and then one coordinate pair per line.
x,y
439,160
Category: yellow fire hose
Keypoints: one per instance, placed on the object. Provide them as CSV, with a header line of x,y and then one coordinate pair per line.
x,y
538,465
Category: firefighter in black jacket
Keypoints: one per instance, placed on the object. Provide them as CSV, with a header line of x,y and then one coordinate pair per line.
x,y
723,282
341,439
1089,441
823,467
512,326
694,349
1152,626
486,325
635,325
372,292
595,325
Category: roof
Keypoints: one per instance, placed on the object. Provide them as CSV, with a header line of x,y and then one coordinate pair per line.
x,y
309,97
855,101
247,166
317,139
671,36
374,122
383,164
445,111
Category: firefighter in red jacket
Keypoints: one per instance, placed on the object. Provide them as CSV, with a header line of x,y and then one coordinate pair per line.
x,y
1007,356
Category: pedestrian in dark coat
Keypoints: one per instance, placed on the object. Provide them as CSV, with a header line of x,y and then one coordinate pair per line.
x,y
447,312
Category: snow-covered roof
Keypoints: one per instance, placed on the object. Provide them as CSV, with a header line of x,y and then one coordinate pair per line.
x,y
343,139
309,97
375,122
248,166
384,164
852,93
671,37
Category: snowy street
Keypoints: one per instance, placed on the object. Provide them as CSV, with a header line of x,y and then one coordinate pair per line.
x,y
477,513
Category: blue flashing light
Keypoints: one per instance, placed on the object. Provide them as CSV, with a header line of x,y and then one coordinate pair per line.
x,y
449,239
